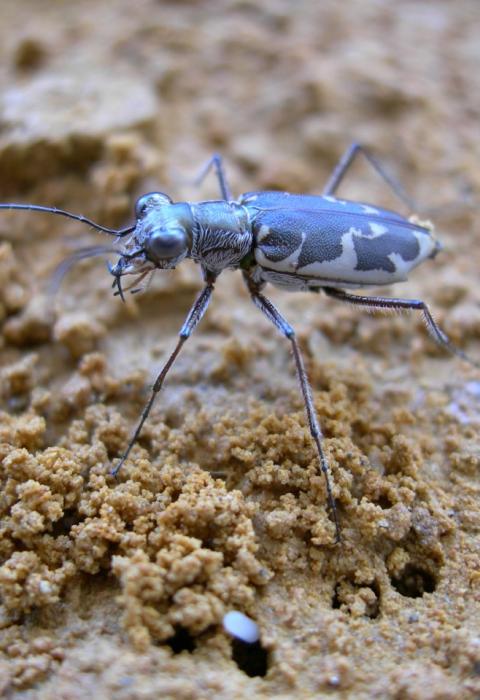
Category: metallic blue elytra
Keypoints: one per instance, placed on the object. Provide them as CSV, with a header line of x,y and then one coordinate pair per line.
x,y
308,241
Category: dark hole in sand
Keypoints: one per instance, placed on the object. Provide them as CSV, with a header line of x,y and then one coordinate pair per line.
x,y
252,659
182,640
414,582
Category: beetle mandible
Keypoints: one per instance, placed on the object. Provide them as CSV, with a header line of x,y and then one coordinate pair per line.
x,y
293,241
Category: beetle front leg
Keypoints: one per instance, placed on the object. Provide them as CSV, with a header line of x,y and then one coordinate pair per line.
x,y
273,315
194,317
403,304
346,162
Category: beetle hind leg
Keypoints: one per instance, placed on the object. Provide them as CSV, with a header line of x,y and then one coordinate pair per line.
x,y
346,161
395,304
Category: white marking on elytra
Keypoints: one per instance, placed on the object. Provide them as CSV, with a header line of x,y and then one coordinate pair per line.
x,y
339,268
377,229
334,200
367,209
263,232
288,264
427,245
292,260
402,267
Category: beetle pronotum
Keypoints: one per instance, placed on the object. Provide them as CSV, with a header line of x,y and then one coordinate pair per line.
x,y
296,242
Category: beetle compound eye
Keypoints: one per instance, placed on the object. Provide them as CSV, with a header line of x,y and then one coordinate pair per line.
x,y
166,244
149,200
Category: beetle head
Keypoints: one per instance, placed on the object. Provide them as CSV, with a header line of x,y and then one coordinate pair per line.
x,y
161,238
161,230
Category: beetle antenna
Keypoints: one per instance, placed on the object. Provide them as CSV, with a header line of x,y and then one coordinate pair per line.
x,y
77,217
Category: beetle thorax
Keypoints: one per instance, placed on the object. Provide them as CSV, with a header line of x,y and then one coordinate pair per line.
x,y
221,234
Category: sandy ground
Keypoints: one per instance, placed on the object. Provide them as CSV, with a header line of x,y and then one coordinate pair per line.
x,y
117,588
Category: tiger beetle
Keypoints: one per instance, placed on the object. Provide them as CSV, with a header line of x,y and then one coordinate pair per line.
x,y
297,242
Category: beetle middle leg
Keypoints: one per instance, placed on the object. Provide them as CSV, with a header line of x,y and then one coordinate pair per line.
x,y
216,163
346,162
403,304
273,315
194,317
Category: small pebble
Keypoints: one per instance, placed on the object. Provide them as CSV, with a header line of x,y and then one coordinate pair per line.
x,y
240,626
